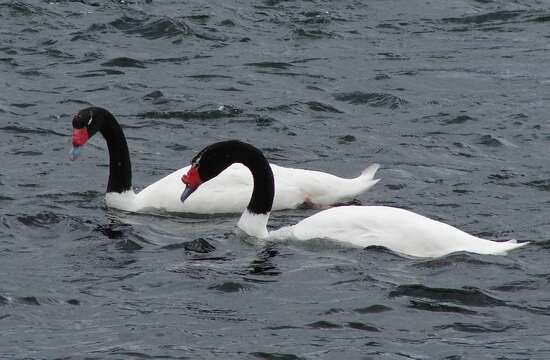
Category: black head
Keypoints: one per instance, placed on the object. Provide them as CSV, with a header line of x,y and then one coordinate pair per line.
x,y
87,122
91,120
213,159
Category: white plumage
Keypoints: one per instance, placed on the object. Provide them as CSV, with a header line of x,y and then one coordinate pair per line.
x,y
400,230
397,229
230,191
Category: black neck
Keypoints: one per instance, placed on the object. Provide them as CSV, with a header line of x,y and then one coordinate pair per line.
x,y
219,156
261,200
120,169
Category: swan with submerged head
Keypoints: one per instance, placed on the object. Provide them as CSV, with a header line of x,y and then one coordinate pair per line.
x,y
228,193
397,229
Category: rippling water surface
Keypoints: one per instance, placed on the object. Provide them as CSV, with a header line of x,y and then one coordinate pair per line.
x,y
452,98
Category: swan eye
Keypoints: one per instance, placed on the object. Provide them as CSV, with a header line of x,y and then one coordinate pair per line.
x,y
195,162
91,118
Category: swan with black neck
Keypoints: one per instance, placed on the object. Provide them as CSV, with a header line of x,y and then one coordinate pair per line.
x,y
228,193
397,229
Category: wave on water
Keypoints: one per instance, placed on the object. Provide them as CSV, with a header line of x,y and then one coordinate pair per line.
x,y
502,20
454,108
21,8
371,99
34,301
222,111
152,28
465,296
124,62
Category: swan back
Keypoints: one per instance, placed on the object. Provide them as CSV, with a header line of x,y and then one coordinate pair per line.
x,y
397,229
318,188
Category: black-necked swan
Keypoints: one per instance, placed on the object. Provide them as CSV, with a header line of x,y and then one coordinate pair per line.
x,y
397,229
228,193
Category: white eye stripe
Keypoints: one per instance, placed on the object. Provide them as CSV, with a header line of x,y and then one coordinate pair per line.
x,y
197,160
91,118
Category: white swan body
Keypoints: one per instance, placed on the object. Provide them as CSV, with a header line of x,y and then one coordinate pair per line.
x,y
231,190
228,193
397,229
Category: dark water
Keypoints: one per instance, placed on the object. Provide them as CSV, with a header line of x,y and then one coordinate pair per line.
x,y
452,98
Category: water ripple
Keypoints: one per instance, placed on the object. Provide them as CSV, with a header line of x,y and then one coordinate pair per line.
x,y
476,328
453,106
221,112
41,220
198,245
435,306
124,62
499,16
465,296
373,309
275,356
20,8
152,29
372,99
231,287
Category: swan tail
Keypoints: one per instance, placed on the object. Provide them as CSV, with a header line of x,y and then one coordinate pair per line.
x,y
514,244
370,171
356,186
367,176
331,190
505,247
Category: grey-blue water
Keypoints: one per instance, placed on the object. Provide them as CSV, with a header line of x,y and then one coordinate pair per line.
x,y
451,97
